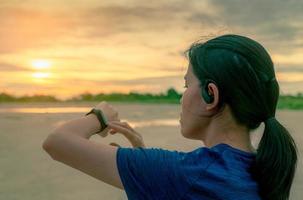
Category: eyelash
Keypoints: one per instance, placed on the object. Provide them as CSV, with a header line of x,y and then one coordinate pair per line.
x,y
185,86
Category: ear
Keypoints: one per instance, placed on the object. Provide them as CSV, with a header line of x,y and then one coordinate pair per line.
x,y
214,91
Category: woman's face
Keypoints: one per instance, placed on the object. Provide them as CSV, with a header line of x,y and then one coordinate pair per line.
x,y
195,114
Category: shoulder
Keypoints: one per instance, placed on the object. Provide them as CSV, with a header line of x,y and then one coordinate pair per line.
x,y
194,157
230,162
161,170
180,161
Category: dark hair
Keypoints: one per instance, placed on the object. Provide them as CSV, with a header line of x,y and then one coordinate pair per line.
x,y
244,74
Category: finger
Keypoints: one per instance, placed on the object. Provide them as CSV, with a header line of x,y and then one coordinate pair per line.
x,y
126,132
118,127
124,124
114,144
127,125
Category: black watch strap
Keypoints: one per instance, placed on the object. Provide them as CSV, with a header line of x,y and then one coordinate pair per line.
x,y
101,118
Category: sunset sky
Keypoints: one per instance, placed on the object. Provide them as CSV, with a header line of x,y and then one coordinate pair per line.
x,y
68,47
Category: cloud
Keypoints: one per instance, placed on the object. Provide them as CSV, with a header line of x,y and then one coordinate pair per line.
x,y
22,29
5,67
289,68
42,28
277,23
64,88
134,81
148,80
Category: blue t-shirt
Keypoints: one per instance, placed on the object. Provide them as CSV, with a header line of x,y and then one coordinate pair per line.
x,y
216,173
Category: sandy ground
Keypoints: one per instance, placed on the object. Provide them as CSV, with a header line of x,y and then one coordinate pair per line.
x,y
28,173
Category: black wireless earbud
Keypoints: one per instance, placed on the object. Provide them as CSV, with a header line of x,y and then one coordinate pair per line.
x,y
209,98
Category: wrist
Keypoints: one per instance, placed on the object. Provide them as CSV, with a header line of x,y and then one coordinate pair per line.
x,y
85,126
101,118
93,122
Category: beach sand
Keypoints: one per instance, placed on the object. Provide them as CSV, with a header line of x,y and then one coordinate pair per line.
x,y
28,172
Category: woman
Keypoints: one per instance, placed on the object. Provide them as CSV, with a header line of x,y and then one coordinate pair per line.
x,y
231,90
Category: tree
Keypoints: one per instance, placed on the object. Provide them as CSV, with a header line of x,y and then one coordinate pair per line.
x,y
172,93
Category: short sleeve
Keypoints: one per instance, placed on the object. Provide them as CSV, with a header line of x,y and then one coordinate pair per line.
x,y
151,173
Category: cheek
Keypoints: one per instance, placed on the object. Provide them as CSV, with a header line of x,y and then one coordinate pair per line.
x,y
192,110
192,101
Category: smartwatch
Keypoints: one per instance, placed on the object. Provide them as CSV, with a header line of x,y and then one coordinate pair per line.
x,y
101,117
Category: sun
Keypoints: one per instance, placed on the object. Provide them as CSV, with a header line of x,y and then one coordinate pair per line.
x,y
41,75
41,67
41,64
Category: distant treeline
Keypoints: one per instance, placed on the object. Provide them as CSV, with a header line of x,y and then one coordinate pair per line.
x,y
171,96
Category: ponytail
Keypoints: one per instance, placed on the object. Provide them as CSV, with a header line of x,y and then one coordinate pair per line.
x,y
276,161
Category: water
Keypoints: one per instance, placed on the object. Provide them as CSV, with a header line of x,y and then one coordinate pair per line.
x,y
45,110
74,109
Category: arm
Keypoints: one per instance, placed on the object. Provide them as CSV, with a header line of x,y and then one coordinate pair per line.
x,y
70,145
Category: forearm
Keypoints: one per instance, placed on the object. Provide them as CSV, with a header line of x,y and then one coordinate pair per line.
x,y
85,126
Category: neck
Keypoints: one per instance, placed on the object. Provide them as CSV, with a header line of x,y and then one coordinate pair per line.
x,y
226,131
239,140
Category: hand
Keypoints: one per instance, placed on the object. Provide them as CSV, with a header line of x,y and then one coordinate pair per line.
x,y
110,113
124,128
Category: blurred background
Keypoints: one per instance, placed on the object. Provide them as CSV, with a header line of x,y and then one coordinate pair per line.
x,y
58,59
51,46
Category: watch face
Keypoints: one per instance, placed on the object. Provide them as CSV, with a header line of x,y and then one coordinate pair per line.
x,y
104,118
101,118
